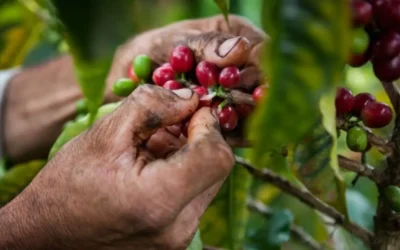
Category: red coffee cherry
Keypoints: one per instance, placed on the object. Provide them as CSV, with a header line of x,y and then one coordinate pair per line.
x,y
229,77
360,101
376,115
207,74
344,101
163,74
172,84
258,93
182,59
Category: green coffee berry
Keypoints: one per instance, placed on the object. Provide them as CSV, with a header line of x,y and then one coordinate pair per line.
x,y
124,87
360,41
142,66
392,196
357,139
82,106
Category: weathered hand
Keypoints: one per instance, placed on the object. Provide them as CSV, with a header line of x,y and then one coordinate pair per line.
x,y
209,38
106,189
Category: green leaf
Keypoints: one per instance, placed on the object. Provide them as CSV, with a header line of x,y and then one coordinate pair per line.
x,y
306,56
76,127
307,218
223,5
315,160
271,233
279,227
44,51
360,209
224,222
196,243
93,30
2,167
344,240
17,178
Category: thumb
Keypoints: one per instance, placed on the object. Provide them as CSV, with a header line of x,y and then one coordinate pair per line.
x,y
150,108
220,48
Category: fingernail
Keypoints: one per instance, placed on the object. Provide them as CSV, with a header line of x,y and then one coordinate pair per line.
x,y
227,46
184,93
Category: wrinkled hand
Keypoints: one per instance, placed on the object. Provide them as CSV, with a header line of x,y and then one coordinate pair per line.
x,y
106,189
209,38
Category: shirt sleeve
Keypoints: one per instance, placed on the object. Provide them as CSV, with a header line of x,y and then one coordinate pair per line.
x,y
5,77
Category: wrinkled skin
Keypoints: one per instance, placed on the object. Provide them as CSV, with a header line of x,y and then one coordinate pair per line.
x,y
34,113
209,38
106,189
131,181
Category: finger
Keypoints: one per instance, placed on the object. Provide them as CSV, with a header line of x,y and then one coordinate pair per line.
x,y
221,49
175,130
149,108
238,26
204,161
182,229
250,77
163,143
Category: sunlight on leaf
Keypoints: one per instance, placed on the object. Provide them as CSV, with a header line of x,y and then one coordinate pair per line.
x,y
224,222
196,243
303,63
17,178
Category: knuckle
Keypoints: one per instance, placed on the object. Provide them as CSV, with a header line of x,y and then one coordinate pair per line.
x,y
218,152
159,218
145,89
224,155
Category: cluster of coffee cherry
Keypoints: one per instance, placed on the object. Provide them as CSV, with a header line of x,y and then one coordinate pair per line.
x,y
211,83
376,37
362,107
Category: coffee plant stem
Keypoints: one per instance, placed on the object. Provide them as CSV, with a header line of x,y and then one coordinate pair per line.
x,y
296,231
360,169
384,146
393,91
239,97
386,222
236,141
307,198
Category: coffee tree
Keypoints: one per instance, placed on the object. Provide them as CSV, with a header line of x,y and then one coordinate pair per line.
x,y
288,131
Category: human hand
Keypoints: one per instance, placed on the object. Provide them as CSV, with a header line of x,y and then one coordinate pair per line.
x,y
34,113
209,38
106,189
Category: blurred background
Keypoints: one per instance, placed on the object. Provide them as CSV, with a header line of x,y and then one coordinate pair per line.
x,y
28,37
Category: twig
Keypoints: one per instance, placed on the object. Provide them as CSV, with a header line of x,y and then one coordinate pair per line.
x,y
393,91
307,198
242,98
384,146
237,142
296,231
360,169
